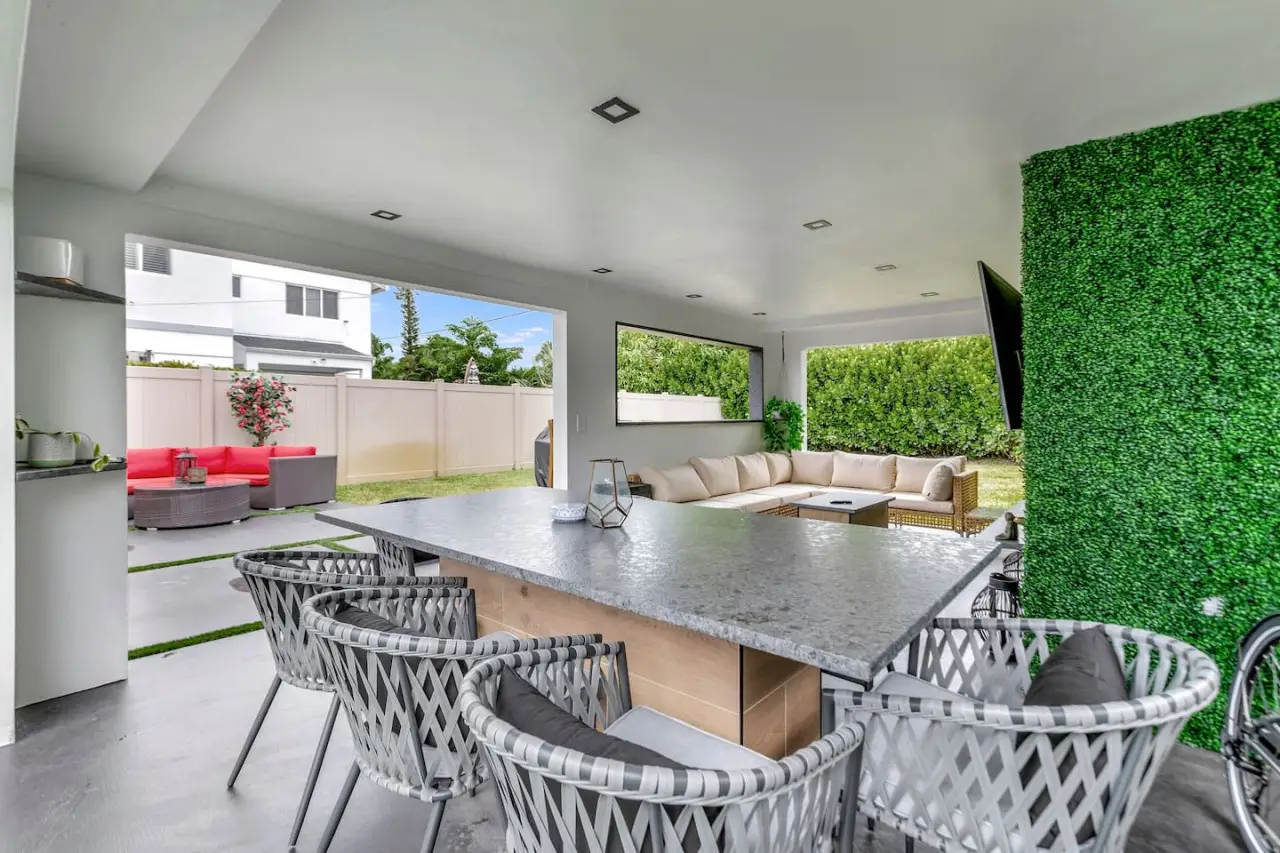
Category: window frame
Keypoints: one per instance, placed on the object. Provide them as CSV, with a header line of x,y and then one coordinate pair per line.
x,y
320,293
140,257
235,286
755,376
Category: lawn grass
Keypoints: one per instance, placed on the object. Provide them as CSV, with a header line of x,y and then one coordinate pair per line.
x,y
208,636
999,483
332,540
434,487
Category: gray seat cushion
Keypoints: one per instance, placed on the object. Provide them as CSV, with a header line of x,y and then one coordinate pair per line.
x,y
668,736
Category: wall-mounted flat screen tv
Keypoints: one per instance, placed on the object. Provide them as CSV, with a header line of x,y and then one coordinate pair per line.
x,y
1004,322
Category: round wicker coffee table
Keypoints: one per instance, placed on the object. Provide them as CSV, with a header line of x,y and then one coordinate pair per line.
x,y
173,504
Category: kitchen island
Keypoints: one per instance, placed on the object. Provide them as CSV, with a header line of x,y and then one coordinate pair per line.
x,y
728,617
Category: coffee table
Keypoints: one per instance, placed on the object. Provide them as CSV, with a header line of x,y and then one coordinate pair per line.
x,y
173,503
867,510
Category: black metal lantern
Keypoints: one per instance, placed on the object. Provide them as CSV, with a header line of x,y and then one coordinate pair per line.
x,y
183,463
998,599
1013,566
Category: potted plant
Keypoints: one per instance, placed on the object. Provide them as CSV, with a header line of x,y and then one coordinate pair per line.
x,y
57,449
783,425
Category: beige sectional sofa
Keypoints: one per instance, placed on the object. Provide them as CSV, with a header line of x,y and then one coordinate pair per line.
x,y
923,493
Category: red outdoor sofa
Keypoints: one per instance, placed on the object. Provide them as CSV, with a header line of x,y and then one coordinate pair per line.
x,y
279,475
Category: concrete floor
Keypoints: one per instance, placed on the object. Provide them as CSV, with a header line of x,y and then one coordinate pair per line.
x,y
259,531
139,767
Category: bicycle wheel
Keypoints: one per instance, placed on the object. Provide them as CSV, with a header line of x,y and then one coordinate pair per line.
x,y
1251,739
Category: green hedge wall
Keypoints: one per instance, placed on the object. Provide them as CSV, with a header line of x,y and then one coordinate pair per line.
x,y
1151,276
922,398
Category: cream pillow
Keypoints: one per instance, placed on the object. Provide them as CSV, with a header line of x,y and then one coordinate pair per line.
x,y
753,472
862,471
810,467
779,468
719,474
914,470
654,478
680,484
938,485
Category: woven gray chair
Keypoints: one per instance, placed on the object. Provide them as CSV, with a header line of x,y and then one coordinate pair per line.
x,y
402,557
961,773
555,798
400,691
279,582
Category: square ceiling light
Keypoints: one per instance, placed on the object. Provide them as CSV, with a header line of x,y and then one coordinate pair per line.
x,y
615,110
386,214
602,270
886,267
817,225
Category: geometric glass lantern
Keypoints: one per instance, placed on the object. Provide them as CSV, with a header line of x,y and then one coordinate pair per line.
x,y
182,463
609,497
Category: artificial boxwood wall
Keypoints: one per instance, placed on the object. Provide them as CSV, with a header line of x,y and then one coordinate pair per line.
x,y
1151,277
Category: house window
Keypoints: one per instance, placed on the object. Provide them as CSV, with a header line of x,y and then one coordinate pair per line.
x,y
235,287
310,301
152,259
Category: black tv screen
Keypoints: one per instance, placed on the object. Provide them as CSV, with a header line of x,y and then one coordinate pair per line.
x,y
1004,321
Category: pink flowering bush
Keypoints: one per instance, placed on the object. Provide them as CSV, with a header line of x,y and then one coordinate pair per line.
x,y
261,404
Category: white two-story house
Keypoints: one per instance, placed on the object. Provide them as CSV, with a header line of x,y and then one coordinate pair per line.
x,y
205,309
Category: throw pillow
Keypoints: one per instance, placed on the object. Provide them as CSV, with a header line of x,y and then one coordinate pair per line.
x,y
719,474
779,468
862,471
753,472
938,485
811,468
681,485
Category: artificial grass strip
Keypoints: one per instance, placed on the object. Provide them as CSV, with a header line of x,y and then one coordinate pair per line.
x,y
336,545
188,560
206,637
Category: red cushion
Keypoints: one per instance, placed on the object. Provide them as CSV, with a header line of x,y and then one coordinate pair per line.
x,y
249,460
294,450
254,479
149,462
212,458
148,481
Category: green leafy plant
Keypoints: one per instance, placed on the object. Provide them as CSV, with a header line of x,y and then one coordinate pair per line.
x,y
22,429
657,364
1151,278
783,425
261,404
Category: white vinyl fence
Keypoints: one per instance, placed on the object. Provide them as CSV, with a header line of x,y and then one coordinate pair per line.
x,y
379,429
664,408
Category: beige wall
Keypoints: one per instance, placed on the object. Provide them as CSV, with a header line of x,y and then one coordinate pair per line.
x,y
667,408
379,429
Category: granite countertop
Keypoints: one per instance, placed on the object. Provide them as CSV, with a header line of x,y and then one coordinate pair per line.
x,y
26,472
842,597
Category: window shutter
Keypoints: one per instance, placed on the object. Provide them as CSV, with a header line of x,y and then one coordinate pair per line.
x,y
330,304
293,299
155,259
131,256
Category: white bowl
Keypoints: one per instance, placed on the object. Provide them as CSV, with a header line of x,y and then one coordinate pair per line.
x,y
568,512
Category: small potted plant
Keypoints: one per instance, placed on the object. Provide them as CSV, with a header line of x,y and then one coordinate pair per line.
x,y
57,449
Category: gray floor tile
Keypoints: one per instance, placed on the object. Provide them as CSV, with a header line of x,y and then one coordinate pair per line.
x,y
182,601
162,546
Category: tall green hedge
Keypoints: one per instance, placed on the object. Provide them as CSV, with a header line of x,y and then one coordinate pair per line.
x,y
923,398
1151,275
657,364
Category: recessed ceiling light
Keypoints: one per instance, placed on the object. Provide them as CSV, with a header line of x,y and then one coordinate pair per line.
x,y
385,214
817,225
927,294
602,270
759,314
615,110
886,267
693,296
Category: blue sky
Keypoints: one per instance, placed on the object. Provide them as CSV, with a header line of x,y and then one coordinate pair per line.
x,y
527,328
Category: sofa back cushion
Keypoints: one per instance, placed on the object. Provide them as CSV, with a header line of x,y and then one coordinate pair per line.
x,y
680,484
719,474
146,462
753,472
810,467
779,468
212,458
293,450
249,460
914,470
862,471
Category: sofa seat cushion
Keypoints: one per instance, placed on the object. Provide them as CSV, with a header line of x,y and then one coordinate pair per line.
x,y
249,460
254,479
745,501
719,474
811,467
862,471
787,491
145,462
912,471
918,503
293,450
753,472
212,458
779,468
148,481
680,484
716,503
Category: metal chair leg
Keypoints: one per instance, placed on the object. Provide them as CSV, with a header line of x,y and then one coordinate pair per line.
x,y
911,845
316,763
341,806
254,729
849,803
433,826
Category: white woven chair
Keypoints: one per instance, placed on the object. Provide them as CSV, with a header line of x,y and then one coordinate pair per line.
x,y
554,797
401,691
279,582
989,774
403,558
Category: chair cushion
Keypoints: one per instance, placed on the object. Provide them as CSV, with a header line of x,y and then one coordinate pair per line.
x,y
680,484
786,491
255,480
1083,670
753,472
810,467
293,450
249,460
862,471
938,485
919,503
148,481
668,736
779,468
146,462
745,500
914,470
212,458
719,474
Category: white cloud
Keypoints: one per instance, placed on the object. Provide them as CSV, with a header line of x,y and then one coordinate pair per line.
x,y
510,339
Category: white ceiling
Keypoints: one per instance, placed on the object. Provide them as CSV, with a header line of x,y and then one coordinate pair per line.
x,y
901,123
